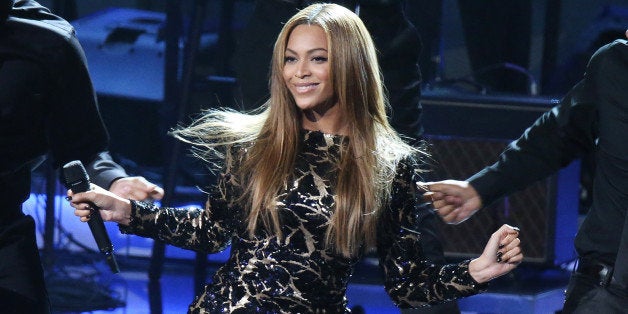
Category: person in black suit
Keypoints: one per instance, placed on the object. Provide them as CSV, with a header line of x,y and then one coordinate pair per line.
x,y
47,106
591,118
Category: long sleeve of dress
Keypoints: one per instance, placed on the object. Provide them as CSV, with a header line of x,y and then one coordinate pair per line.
x,y
207,230
411,279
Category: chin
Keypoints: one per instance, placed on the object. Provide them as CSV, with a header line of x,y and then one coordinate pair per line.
x,y
307,105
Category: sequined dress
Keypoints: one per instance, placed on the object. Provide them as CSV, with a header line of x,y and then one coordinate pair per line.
x,y
298,274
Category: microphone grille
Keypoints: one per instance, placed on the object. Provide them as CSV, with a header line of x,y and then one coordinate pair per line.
x,y
74,171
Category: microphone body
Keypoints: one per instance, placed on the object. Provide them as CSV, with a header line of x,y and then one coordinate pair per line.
x,y
77,180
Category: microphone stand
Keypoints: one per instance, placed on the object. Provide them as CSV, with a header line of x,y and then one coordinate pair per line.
x,y
174,91
49,227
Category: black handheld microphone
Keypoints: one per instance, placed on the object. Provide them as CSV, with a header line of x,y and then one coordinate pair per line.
x,y
77,180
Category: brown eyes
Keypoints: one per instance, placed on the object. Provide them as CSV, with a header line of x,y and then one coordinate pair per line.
x,y
314,59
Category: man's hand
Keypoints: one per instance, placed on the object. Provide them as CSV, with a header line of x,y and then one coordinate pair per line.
x,y
455,201
136,188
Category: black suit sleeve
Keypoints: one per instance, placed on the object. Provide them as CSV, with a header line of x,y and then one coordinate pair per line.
x,y
564,133
75,128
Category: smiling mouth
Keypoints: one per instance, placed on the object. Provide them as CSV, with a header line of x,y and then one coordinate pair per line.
x,y
304,88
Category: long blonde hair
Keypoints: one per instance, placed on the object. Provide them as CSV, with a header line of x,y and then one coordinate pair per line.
x,y
367,163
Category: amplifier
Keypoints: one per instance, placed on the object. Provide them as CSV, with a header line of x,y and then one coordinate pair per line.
x,y
467,133
125,50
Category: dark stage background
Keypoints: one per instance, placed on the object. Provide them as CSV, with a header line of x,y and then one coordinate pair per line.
x,y
467,120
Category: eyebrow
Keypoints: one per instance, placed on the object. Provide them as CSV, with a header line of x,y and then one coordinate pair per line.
x,y
308,52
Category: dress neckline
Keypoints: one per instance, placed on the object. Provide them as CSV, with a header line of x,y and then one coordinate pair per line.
x,y
321,133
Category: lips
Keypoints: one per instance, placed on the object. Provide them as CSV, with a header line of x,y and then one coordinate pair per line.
x,y
304,88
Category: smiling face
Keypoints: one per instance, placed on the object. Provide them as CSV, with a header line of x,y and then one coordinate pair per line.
x,y
306,71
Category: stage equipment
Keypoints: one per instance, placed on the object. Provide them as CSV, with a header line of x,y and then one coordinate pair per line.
x,y
467,132
125,50
126,54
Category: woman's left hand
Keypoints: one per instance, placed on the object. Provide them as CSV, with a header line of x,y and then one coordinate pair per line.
x,y
501,255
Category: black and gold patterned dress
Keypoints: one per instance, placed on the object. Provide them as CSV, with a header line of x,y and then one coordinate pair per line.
x,y
298,274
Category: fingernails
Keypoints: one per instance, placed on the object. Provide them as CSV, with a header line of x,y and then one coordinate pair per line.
x,y
423,187
501,246
499,257
68,198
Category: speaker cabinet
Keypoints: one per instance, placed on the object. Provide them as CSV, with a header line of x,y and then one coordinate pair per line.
x,y
467,133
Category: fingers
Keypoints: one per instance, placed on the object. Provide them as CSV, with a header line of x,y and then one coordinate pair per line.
x,y
423,186
438,199
143,189
157,193
449,214
509,249
82,203
442,206
137,188
83,211
510,254
75,198
442,193
455,201
429,197
448,187
508,230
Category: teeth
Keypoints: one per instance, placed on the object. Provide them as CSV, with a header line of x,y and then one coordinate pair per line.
x,y
306,88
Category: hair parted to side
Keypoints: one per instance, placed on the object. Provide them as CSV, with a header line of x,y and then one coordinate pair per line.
x,y
368,161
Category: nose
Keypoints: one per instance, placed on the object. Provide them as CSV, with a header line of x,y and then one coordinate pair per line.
x,y
302,70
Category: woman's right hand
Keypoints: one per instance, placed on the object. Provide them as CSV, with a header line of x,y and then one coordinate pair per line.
x,y
112,207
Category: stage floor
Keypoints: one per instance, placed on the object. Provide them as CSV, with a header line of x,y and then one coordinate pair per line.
x,y
77,287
